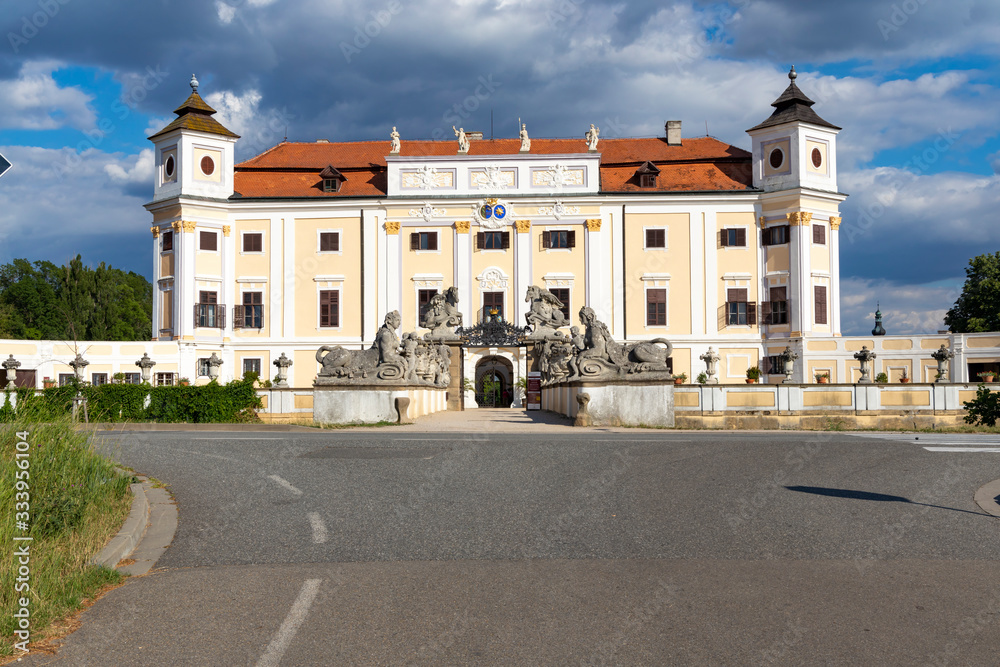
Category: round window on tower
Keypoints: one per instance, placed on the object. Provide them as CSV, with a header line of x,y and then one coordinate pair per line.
x,y
817,158
168,167
207,166
777,158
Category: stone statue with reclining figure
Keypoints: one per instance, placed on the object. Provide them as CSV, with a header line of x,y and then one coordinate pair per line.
x,y
604,359
381,362
442,315
545,315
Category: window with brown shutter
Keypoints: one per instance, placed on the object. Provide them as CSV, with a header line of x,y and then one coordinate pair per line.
x,y
737,311
505,240
777,307
656,238
819,234
253,242
329,308
819,292
493,240
559,238
562,293
492,305
168,241
208,241
329,242
656,307
424,241
776,235
733,237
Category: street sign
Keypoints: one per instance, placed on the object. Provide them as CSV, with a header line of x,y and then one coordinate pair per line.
x,y
4,165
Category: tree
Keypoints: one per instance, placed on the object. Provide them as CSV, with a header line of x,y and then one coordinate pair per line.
x,y
978,307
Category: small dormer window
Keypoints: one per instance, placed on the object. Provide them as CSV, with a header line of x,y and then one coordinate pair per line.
x,y
332,179
647,174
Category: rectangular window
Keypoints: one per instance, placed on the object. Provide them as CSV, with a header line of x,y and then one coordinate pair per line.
x,y
207,312
164,379
253,242
250,315
656,238
774,365
168,241
562,293
424,297
656,307
208,241
329,308
819,292
493,305
133,378
776,235
64,379
251,367
203,367
734,237
778,306
819,234
493,240
561,238
738,311
97,379
329,241
424,241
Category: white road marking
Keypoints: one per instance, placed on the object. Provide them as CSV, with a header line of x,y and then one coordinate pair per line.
x,y
952,439
285,483
994,450
646,440
319,528
286,633
211,456
236,438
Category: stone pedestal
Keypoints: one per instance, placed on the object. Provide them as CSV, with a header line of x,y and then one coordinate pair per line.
x,y
455,392
614,404
356,404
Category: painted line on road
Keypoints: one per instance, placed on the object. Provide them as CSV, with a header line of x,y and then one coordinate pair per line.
x,y
236,438
646,440
993,450
319,528
188,451
285,483
286,633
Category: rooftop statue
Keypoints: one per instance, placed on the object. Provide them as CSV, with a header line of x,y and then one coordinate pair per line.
x,y
394,137
443,315
463,140
592,137
525,139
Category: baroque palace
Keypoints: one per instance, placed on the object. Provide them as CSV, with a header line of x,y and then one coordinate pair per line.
x,y
687,239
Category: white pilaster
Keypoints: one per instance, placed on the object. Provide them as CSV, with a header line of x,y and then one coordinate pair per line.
x,y
275,283
228,287
711,275
697,253
599,285
835,279
393,273
157,289
617,280
185,287
370,230
522,276
463,277
288,279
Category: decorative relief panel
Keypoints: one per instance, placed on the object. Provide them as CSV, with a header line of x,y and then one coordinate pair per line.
x,y
427,178
427,212
558,176
493,178
558,210
492,279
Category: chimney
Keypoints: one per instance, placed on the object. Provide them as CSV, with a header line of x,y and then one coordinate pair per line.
x,y
673,133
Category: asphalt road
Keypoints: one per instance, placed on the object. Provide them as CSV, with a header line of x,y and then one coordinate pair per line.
x,y
392,547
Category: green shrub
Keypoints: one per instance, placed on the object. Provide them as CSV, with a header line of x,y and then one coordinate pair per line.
x,y
984,409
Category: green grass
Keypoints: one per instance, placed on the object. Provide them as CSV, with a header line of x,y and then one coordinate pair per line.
x,y
78,501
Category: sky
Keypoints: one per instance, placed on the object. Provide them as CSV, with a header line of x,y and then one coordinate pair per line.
x,y
914,83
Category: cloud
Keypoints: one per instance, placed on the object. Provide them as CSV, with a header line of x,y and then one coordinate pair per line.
x,y
906,309
259,129
138,169
34,101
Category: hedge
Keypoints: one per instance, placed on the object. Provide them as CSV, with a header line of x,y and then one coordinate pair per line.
x,y
229,403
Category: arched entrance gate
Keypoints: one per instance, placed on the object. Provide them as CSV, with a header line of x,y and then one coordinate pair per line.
x,y
494,374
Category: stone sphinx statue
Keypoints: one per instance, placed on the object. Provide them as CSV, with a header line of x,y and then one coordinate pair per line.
x,y
545,315
388,361
601,358
442,315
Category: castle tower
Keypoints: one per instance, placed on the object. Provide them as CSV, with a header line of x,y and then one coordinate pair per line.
x,y
795,164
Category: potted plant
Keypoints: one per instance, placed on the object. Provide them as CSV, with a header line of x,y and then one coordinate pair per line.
x,y
679,379
702,378
48,383
118,378
881,378
183,382
823,378
987,376
753,374
905,379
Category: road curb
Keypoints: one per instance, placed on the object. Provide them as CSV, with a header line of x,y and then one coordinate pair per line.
x,y
987,496
126,540
230,428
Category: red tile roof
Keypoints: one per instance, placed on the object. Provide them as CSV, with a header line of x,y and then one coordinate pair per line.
x,y
292,169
